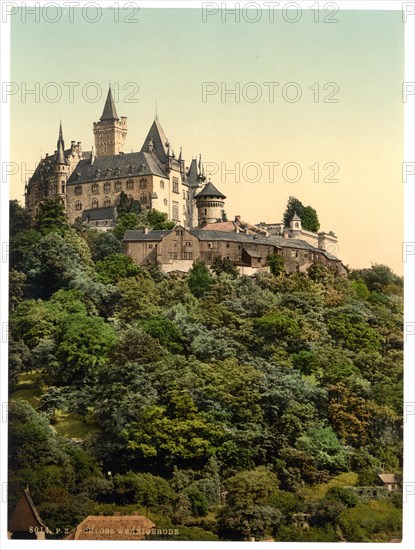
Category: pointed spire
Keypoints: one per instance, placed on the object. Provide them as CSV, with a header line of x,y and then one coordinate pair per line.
x,y
180,155
60,153
156,117
109,112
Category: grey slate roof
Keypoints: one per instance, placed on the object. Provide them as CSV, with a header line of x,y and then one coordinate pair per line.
x,y
243,238
210,190
97,214
143,164
296,217
192,175
109,112
139,235
156,133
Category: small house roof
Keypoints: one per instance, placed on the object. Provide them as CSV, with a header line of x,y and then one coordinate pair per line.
x,y
25,515
132,527
389,478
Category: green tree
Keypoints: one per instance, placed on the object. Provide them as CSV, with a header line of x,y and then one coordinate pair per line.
x,y
199,279
51,217
309,219
294,206
159,220
222,265
115,267
19,218
276,264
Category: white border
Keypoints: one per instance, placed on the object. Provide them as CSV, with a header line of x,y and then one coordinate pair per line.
x,y
409,236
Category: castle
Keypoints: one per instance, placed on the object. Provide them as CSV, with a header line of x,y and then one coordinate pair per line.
x,y
89,185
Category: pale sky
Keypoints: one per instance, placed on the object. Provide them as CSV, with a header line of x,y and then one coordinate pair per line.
x,y
170,53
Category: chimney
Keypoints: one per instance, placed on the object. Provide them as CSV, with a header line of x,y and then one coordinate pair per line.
x,y
146,231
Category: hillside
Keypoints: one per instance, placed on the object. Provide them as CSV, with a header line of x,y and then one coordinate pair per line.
x,y
229,407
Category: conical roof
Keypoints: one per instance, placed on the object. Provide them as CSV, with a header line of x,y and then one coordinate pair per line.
x,y
210,190
296,218
60,155
109,112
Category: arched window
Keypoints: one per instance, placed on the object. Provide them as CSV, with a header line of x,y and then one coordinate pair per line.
x,y
143,199
296,224
143,183
161,184
107,201
78,205
165,202
95,188
118,186
95,203
107,186
78,189
130,184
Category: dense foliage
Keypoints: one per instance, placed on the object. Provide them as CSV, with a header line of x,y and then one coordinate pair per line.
x,y
229,406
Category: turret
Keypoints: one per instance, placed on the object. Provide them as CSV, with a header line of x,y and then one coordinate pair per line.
x,y
209,204
295,224
61,169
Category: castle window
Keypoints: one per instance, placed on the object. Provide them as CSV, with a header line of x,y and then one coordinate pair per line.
x,y
161,184
205,211
130,169
150,246
107,201
209,245
296,224
97,173
78,189
95,188
143,199
95,203
143,183
174,244
63,188
175,185
78,205
184,194
118,186
179,232
175,210
165,202
188,243
130,184
117,171
188,255
109,171
107,187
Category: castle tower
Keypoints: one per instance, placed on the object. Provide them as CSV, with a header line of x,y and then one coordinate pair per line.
x,y
110,132
209,204
61,169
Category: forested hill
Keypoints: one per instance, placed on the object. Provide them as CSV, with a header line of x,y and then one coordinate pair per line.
x,y
228,407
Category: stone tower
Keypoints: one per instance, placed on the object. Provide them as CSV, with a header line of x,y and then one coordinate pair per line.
x,y
61,169
110,132
209,204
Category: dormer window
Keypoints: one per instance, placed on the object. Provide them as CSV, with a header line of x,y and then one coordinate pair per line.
x,y
97,173
130,169
117,171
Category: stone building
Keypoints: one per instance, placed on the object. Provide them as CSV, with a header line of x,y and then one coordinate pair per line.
x,y
177,249
89,183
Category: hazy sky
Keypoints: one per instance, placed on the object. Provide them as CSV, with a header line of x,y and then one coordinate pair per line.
x,y
170,53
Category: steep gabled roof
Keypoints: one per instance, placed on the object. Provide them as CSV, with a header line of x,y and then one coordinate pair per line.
x,y
296,217
160,141
25,515
109,112
210,190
